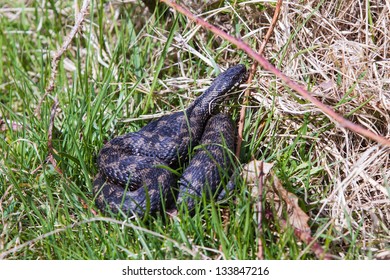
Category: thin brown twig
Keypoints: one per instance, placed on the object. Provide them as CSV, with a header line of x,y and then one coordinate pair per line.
x,y
58,54
51,125
50,148
241,121
290,83
5,195
49,89
260,254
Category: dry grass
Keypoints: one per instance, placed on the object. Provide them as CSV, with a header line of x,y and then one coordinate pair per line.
x,y
344,57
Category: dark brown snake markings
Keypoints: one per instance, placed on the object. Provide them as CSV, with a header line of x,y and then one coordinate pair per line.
x,y
132,177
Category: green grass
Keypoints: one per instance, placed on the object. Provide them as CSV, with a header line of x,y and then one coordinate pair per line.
x,y
120,67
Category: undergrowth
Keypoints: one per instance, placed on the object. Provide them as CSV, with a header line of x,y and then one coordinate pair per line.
x,y
127,65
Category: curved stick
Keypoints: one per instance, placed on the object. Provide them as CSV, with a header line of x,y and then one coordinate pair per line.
x,y
252,74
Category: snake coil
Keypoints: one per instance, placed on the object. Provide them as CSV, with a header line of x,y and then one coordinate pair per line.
x,y
132,177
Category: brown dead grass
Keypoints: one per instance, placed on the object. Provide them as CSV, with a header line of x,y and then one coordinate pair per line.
x,y
345,57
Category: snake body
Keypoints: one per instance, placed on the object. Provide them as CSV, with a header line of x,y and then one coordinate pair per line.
x,y
133,176
210,161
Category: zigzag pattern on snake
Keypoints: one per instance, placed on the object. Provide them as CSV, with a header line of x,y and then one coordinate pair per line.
x,y
132,177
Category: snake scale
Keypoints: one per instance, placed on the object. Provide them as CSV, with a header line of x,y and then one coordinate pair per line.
x,y
135,169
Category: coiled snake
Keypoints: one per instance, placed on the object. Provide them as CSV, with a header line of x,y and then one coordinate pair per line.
x,y
133,176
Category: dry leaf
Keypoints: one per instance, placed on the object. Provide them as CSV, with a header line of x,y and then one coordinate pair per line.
x,y
296,216
283,200
280,196
251,170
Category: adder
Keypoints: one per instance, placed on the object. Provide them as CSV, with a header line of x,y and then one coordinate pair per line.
x,y
135,169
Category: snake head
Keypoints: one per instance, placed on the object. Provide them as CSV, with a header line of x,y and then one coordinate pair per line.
x,y
221,86
227,80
